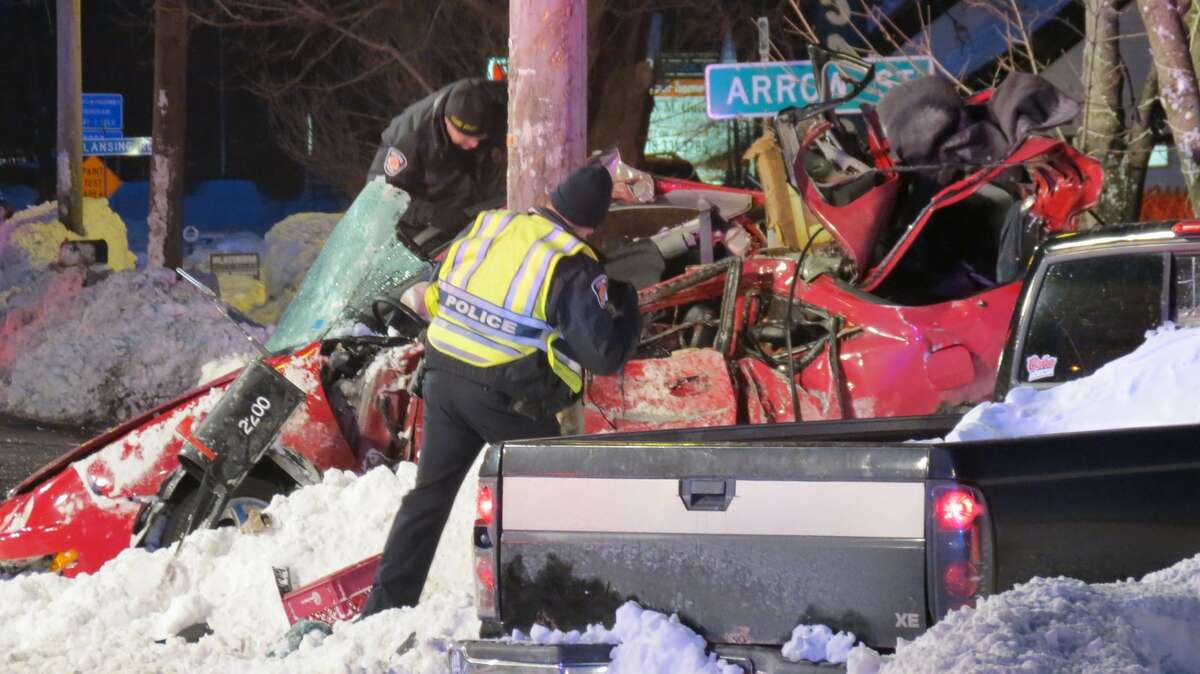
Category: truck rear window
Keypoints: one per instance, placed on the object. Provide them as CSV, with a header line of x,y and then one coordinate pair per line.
x,y
1092,310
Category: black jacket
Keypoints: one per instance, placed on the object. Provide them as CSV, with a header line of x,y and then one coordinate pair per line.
x,y
444,181
600,337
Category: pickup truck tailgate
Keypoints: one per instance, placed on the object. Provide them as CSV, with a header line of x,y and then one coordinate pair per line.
x,y
742,542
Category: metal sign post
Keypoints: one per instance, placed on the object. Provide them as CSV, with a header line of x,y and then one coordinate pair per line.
x,y
764,38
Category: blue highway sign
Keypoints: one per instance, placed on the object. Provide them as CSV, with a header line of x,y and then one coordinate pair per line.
x,y
104,113
116,146
763,89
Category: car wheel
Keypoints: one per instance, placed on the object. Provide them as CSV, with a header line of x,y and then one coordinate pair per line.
x,y
252,496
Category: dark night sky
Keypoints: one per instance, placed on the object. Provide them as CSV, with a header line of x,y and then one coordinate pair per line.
x,y
118,51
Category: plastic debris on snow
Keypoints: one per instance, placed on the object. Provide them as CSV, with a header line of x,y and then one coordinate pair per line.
x,y
646,642
109,621
1155,385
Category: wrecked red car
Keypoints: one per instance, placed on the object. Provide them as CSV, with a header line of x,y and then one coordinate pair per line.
x,y
895,291
888,293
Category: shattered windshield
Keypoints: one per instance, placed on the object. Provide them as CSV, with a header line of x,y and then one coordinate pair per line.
x,y
360,261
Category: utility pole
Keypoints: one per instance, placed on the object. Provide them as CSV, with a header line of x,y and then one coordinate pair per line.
x,y
547,96
170,123
70,116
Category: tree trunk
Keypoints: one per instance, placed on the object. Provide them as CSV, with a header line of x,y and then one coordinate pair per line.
x,y
170,124
1102,132
1177,82
70,117
619,82
547,96
1138,146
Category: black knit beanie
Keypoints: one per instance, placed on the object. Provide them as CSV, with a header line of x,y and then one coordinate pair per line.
x,y
467,108
584,197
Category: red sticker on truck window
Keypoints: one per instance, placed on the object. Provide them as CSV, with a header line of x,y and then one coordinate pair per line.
x,y
1040,367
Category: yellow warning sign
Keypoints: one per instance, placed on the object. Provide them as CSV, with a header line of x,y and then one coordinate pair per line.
x,y
98,180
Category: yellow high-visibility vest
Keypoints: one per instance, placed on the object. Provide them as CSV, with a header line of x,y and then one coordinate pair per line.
x,y
488,305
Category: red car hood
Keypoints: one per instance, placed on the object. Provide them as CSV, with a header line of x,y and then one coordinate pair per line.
x,y
104,439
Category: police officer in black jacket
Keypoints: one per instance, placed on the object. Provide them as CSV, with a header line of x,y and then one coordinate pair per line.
x,y
520,307
446,151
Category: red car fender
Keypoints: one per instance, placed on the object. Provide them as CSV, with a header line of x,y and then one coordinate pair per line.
x,y
88,500
885,351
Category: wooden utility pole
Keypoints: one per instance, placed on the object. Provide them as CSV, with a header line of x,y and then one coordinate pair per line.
x,y
170,123
70,116
547,95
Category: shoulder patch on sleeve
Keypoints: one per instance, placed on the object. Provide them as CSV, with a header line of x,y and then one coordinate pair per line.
x,y
395,162
600,289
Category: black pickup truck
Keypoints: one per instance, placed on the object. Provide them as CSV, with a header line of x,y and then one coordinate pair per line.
x,y
745,532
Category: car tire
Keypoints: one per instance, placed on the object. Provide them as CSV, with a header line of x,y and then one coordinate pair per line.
x,y
253,492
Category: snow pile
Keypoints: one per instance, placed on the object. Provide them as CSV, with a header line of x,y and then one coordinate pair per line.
x,y
540,634
818,643
110,620
291,246
29,241
647,642
94,354
1061,625
1154,385
652,643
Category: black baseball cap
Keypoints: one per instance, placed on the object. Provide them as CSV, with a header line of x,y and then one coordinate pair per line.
x,y
467,108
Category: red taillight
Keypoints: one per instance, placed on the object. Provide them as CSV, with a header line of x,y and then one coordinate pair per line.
x,y
485,507
485,574
959,544
485,587
956,510
1186,227
960,580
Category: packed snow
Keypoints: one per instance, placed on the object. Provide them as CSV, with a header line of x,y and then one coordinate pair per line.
x,y
1153,386
818,643
92,347
98,353
291,246
30,239
109,621
644,642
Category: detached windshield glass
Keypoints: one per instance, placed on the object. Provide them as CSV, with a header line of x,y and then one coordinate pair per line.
x,y
361,260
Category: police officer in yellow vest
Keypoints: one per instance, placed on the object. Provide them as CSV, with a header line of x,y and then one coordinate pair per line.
x,y
520,308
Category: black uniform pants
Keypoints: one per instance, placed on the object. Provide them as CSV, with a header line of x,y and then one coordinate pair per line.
x,y
460,416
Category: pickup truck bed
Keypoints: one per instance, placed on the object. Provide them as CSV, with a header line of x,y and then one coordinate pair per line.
x,y
745,532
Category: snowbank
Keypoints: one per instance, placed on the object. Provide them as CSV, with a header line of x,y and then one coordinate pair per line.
x,y
1060,625
291,247
95,354
109,621
29,240
1154,385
